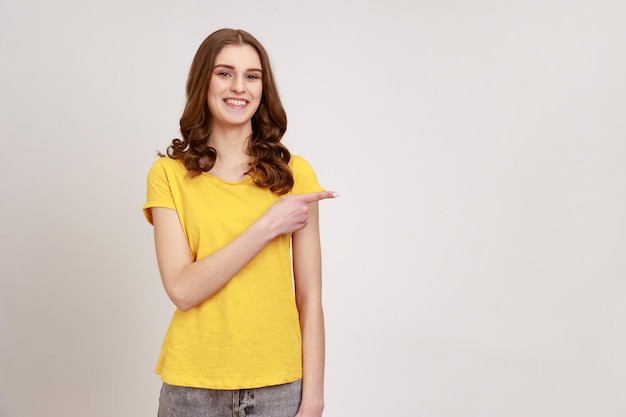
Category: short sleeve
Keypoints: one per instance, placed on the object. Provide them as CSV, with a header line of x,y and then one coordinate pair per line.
x,y
159,192
305,179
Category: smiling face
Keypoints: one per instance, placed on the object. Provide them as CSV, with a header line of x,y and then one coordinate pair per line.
x,y
236,86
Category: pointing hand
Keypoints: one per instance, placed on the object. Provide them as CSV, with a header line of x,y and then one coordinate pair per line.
x,y
291,213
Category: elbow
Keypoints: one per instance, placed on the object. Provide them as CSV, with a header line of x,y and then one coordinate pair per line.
x,y
181,299
304,302
184,307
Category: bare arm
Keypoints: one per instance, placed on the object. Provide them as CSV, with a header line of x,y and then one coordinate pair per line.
x,y
189,283
308,281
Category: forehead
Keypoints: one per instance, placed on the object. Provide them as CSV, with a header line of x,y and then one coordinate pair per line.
x,y
239,56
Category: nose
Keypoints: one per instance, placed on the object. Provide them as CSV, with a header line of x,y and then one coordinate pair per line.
x,y
237,86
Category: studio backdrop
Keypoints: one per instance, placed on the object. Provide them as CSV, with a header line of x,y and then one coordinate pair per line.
x,y
473,265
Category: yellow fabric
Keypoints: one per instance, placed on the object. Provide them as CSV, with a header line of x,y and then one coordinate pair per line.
x,y
248,334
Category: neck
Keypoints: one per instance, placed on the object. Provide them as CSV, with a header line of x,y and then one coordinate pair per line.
x,y
231,145
230,141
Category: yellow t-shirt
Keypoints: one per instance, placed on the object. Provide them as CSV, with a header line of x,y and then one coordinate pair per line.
x,y
247,335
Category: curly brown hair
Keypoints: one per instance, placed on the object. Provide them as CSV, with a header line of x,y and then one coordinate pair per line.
x,y
269,157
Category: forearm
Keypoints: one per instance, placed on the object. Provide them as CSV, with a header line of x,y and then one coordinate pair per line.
x,y
194,282
313,358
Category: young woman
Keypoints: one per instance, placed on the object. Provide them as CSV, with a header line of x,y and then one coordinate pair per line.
x,y
235,219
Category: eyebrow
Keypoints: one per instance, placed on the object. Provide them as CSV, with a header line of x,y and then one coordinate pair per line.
x,y
230,67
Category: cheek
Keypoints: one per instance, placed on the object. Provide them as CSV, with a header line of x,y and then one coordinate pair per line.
x,y
216,85
257,90
258,94
213,95
211,91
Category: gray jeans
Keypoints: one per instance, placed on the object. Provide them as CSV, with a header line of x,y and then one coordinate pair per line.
x,y
275,401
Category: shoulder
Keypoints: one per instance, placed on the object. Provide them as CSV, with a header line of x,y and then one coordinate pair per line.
x,y
305,179
165,162
167,172
167,166
299,164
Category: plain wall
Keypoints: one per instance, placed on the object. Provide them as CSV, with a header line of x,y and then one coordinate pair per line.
x,y
474,264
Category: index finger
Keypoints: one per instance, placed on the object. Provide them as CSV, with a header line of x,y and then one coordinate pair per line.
x,y
319,195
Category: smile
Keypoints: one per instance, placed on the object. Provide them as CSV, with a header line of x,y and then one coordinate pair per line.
x,y
235,102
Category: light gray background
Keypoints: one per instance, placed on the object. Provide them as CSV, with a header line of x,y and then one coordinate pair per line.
x,y
474,264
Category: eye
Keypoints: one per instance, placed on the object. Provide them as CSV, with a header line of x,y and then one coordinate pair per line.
x,y
253,77
223,74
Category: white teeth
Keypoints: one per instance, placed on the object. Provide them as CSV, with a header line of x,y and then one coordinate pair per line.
x,y
235,102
